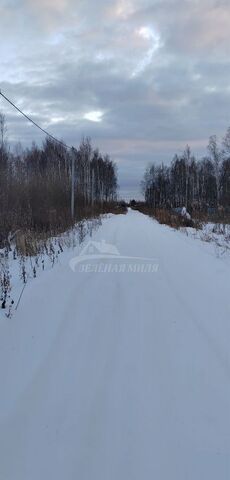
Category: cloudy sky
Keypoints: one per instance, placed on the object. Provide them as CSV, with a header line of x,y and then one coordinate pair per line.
x,y
142,77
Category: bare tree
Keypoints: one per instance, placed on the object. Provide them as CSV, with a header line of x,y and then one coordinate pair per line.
x,y
226,143
3,129
216,157
3,132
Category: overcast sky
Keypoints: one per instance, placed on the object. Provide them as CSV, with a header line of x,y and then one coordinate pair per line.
x,y
142,77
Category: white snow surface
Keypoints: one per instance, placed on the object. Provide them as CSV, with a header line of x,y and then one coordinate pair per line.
x,y
108,376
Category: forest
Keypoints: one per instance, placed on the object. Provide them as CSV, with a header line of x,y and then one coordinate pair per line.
x,y
198,184
35,185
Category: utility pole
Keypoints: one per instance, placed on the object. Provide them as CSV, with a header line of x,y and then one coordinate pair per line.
x,y
72,180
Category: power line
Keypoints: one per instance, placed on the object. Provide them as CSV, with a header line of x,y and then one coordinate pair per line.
x,y
34,123
56,140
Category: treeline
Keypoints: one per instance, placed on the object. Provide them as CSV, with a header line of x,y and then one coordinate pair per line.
x,y
35,185
202,185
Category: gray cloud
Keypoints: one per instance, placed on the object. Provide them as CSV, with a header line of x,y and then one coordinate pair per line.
x,y
158,71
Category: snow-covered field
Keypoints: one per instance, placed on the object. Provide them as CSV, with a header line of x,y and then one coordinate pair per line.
x,y
120,374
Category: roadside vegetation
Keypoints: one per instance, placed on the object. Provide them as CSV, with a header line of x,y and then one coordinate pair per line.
x,y
36,223
35,187
200,185
192,194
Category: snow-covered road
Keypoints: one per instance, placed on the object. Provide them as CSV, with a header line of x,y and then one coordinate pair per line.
x,y
108,376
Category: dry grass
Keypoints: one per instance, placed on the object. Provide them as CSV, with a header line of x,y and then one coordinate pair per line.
x,y
30,242
221,217
167,217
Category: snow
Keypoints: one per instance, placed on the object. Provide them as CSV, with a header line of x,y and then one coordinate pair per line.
x,y
218,235
110,376
185,214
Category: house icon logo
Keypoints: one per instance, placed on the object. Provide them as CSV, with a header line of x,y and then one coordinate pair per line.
x,y
99,248
95,251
